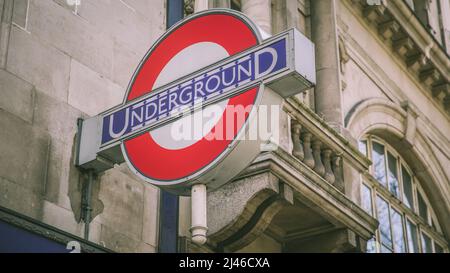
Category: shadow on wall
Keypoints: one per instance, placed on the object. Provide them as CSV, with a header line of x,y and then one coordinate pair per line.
x,y
76,180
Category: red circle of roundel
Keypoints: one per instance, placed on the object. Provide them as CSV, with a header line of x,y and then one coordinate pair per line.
x,y
146,156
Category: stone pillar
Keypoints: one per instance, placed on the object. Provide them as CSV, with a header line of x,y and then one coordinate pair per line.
x,y
329,174
318,165
324,35
285,15
296,129
260,13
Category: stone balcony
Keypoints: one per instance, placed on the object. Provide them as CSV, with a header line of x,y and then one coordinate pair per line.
x,y
402,31
303,198
320,147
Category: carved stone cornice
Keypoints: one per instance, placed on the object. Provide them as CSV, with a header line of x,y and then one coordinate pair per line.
x,y
402,31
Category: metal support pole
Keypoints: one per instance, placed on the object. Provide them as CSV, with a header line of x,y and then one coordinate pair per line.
x,y
199,226
168,213
87,203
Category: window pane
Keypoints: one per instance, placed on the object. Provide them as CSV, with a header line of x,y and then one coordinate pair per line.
x,y
423,210
407,189
379,163
362,145
426,244
372,246
393,175
397,228
438,248
366,199
433,224
383,218
411,229
384,249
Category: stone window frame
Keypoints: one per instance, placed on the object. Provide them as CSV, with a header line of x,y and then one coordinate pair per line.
x,y
430,227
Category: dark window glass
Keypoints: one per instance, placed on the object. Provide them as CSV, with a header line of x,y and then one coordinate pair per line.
x,y
433,224
423,210
407,189
426,244
438,248
393,175
421,10
379,163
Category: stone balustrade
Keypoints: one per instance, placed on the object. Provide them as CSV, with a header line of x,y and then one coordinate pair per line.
x,y
322,159
320,147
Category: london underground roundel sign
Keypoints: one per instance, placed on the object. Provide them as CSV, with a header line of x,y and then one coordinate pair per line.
x,y
208,71
187,47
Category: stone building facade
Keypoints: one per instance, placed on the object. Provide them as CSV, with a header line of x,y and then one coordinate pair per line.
x,y
362,163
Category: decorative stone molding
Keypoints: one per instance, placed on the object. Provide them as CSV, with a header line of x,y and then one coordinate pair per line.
x,y
343,54
410,122
240,211
315,192
402,31
189,7
374,112
390,121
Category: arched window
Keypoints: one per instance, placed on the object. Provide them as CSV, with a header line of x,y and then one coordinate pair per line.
x,y
394,196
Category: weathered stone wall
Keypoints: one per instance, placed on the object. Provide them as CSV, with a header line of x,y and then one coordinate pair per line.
x,y
385,76
60,62
63,62
372,71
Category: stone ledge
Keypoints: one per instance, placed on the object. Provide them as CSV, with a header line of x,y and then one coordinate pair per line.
x,y
240,211
314,191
